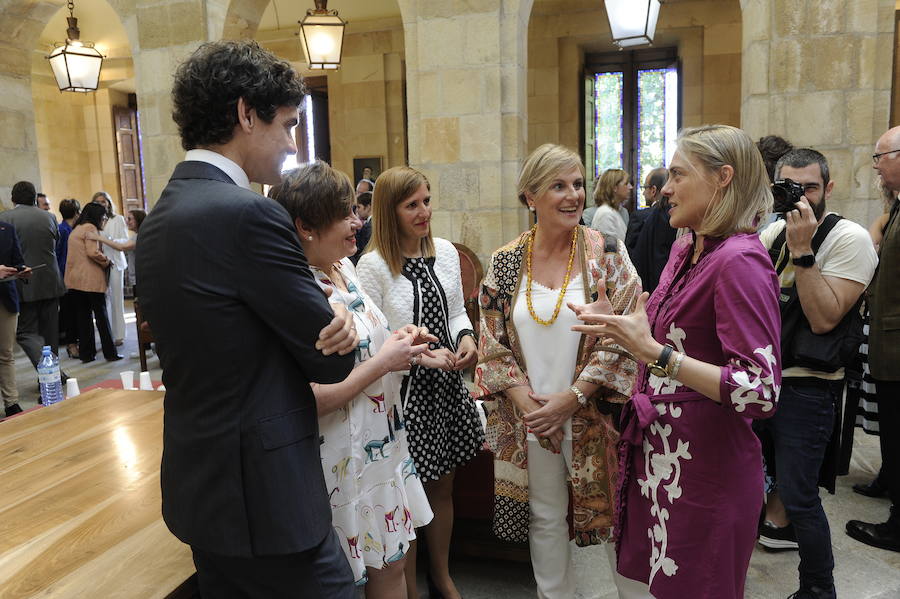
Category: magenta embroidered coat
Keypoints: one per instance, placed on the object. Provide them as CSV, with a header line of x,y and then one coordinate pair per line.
x,y
691,483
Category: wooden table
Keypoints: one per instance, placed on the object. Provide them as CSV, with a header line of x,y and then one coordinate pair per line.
x,y
80,501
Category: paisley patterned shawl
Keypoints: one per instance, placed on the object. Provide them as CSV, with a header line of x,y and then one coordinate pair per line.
x,y
502,365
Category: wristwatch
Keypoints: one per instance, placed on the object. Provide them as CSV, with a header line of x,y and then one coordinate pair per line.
x,y
660,367
804,261
579,395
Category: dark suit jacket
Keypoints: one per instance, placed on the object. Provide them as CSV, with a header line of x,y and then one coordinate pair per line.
x,y
236,313
884,304
10,255
649,242
362,240
37,232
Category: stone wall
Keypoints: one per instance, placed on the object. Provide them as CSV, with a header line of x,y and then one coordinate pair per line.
x,y
76,141
819,74
365,96
466,81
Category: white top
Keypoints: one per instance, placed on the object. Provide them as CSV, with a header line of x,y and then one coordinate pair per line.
x,y
608,221
847,253
550,352
117,230
394,294
226,165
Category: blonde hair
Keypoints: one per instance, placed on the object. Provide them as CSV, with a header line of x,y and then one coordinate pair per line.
x,y
747,199
542,167
392,187
605,190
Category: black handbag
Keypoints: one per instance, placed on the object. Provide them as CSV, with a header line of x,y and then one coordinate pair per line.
x,y
830,351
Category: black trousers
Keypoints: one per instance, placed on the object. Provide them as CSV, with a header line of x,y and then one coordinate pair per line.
x,y
38,326
888,393
319,573
68,320
86,303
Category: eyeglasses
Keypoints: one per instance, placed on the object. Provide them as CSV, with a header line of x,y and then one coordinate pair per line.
x,y
876,157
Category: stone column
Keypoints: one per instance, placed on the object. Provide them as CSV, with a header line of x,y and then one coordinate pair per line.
x,y
818,72
20,24
167,32
467,113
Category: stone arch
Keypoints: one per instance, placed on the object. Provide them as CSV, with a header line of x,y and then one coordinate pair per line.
x,y
21,22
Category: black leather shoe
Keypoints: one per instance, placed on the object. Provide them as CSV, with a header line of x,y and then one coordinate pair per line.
x,y
13,409
872,489
883,536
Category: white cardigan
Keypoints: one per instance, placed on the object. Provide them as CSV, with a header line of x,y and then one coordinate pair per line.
x,y
394,294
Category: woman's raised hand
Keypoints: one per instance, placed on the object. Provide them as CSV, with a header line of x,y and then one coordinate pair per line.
x,y
600,306
400,350
630,331
419,334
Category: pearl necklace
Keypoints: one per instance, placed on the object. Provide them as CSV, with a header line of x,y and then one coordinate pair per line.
x,y
562,292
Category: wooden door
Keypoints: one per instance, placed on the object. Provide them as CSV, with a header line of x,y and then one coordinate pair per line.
x,y
131,180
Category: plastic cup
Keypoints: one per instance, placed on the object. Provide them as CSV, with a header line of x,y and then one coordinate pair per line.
x,y
146,383
72,389
127,379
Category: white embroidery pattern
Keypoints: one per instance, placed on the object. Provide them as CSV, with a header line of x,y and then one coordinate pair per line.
x,y
746,392
662,385
663,468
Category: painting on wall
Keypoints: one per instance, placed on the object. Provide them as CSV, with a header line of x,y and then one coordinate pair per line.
x,y
366,167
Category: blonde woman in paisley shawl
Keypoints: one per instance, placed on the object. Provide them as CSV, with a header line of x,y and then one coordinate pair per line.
x,y
708,342
542,383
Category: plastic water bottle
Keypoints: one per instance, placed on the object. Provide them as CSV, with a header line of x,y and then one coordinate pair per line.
x,y
49,379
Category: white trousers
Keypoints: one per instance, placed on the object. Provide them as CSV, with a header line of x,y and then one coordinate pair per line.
x,y
548,533
115,303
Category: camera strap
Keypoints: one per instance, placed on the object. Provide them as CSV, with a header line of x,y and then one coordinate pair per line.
x,y
781,256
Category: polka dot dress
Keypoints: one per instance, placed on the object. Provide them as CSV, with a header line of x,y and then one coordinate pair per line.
x,y
441,421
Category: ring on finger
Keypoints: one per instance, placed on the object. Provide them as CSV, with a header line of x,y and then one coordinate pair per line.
x,y
415,360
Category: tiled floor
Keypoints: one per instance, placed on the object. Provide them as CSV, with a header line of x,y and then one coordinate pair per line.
x,y
861,572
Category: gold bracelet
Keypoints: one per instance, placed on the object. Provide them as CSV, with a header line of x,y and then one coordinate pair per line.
x,y
676,364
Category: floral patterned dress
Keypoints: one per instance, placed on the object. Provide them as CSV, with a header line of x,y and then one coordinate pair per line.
x,y
691,481
377,499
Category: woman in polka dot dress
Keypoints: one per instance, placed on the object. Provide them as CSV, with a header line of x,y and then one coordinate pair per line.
x,y
415,278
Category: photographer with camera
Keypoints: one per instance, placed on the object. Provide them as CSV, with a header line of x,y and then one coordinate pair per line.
x,y
824,263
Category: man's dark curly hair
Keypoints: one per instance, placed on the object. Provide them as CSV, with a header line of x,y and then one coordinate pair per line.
x,y
208,84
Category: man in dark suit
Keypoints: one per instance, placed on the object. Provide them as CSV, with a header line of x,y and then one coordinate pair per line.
x,y
10,263
37,231
650,237
884,350
241,329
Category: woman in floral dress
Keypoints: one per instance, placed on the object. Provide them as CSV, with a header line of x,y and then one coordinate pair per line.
x,y
376,496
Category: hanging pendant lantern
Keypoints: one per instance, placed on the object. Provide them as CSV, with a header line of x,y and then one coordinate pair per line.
x,y
322,34
633,22
76,64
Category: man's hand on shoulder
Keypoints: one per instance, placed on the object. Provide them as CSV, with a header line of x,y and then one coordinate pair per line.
x,y
340,335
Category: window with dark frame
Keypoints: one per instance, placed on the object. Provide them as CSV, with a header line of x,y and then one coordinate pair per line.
x,y
632,112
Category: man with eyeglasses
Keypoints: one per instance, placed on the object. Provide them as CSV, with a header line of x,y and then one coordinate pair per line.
x,y
884,350
827,272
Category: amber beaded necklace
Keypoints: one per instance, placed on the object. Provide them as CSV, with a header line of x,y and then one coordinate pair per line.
x,y
562,292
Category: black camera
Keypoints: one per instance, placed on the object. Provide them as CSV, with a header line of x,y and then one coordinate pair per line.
x,y
787,193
